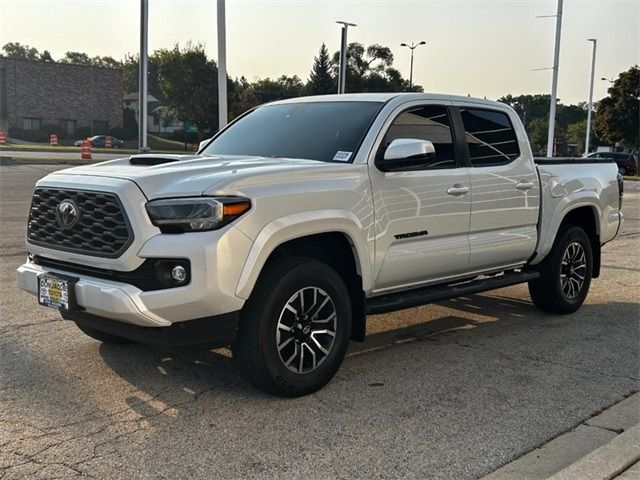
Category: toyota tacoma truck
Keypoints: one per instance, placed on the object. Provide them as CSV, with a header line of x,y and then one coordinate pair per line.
x,y
303,216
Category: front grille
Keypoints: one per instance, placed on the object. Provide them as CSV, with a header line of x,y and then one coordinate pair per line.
x,y
102,228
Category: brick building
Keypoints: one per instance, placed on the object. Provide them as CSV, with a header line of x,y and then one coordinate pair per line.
x,y
35,93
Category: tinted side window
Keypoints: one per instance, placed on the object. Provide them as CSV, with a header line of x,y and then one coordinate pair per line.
x,y
490,136
425,123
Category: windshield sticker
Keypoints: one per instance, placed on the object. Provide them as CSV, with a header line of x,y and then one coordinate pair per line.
x,y
341,156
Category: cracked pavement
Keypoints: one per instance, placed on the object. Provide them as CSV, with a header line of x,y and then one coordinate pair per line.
x,y
452,390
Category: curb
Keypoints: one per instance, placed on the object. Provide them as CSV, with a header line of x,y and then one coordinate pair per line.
x,y
606,462
599,448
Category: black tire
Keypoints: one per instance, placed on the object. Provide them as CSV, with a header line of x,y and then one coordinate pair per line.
x,y
103,336
256,349
549,292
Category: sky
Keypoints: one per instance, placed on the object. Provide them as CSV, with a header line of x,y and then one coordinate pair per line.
x,y
479,47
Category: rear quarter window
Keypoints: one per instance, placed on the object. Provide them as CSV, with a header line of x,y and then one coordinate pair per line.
x,y
490,137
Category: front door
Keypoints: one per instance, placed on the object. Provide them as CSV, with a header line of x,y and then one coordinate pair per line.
x,y
422,215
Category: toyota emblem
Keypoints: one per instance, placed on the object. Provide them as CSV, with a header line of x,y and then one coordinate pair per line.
x,y
67,214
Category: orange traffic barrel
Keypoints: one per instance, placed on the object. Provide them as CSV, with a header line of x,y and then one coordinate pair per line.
x,y
108,143
53,140
85,150
3,139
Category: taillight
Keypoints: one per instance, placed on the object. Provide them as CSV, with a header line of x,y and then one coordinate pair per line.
x,y
620,191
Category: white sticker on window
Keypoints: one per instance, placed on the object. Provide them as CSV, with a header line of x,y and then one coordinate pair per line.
x,y
341,156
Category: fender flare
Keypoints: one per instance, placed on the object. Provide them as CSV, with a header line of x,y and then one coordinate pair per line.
x,y
564,207
298,225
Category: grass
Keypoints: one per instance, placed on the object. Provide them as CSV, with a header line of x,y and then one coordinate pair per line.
x,y
633,179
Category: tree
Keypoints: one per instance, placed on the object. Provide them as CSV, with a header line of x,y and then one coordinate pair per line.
x,y
189,82
538,135
577,133
321,81
76,58
371,70
45,56
130,75
619,113
105,62
21,52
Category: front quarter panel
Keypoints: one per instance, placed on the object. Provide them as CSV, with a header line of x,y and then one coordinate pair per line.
x,y
332,199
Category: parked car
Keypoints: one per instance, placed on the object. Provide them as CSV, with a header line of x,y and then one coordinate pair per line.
x,y
100,141
627,162
304,216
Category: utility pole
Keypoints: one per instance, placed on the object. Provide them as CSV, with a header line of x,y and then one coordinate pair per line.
x,y
342,72
142,80
554,83
590,106
222,66
412,47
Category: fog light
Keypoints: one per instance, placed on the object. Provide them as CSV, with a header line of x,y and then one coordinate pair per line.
x,y
178,273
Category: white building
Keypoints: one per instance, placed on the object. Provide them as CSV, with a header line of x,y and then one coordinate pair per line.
x,y
160,118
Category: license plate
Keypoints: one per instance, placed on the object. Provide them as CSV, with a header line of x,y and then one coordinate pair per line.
x,y
55,292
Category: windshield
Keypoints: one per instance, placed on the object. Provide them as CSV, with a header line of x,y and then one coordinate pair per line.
x,y
326,131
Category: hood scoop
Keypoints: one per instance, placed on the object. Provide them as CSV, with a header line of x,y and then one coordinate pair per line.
x,y
150,159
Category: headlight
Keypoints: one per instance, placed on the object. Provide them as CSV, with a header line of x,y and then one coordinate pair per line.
x,y
177,215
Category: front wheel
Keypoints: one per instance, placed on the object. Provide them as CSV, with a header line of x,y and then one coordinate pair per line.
x,y
565,274
295,327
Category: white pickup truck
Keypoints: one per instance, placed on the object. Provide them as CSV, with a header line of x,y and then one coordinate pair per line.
x,y
303,216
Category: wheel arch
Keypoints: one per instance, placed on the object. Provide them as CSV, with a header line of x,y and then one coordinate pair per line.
x,y
342,247
585,217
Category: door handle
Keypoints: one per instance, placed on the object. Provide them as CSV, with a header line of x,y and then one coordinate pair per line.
x,y
458,190
522,185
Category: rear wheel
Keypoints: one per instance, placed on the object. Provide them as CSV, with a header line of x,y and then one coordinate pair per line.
x,y
565,275
103,336
295,327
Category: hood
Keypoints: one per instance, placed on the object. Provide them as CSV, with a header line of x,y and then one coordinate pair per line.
x,y
186,175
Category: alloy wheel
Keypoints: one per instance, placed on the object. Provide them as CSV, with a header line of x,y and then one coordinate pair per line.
x,y
306,329
573,270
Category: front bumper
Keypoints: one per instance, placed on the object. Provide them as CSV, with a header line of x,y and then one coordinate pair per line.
x,y
216,260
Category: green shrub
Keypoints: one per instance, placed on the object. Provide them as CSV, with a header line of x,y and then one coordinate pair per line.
x,y
54,129
28,135
122,133
82,133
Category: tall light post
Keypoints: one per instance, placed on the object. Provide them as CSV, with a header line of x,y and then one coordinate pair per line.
x,y
412,47
342,72
143,79
222,66
589,108
554,82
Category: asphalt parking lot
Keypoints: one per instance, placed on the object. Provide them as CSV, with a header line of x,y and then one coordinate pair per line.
x,y
453,390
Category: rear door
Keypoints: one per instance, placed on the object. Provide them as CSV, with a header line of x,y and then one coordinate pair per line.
x,y
422,214
505,190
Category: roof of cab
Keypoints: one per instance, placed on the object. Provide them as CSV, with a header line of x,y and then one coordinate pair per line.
x,y
384,97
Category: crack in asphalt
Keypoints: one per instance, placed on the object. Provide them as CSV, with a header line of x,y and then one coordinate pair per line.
x,y
140,425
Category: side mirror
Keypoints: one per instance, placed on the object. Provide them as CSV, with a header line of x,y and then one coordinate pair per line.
x,y
203,143
404,153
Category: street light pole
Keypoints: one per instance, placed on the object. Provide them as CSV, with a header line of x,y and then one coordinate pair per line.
x,y
222,66
554,83
143,79
411,47
342,72
593,70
